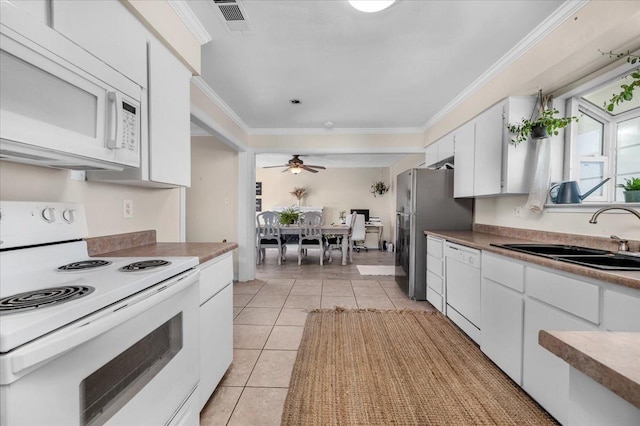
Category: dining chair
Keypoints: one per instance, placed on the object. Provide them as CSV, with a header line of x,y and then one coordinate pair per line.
x,y
310,235
268,236
350,221
359,233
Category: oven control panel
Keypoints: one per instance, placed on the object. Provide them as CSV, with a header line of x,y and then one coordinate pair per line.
x,y
24,223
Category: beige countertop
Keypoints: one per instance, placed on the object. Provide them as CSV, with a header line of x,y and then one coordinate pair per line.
x,y
610,358
483,241
144,244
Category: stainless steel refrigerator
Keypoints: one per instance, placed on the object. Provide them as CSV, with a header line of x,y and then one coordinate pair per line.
x,y
424,202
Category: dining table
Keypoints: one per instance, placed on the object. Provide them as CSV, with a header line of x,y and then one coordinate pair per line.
x,y
337,230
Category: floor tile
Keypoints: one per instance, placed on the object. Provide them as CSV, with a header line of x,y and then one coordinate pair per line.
x,y
250,287
285,337
274,290
332,290
308,282
395,292
336,282
292,317
388,283
369,292
273,369
258,316
374,303
250,336
280,281
267,301
241,300
220,406
330,302
259,406
303,302
306,290
365,283
236,311
412,304
243,362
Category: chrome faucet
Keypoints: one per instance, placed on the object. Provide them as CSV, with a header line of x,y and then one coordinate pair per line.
x,y
604,209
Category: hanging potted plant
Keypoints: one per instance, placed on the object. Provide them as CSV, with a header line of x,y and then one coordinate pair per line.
x,y
379,188
627,89
546,124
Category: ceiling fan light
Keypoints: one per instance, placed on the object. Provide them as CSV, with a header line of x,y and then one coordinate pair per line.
x,y
295,170
371,6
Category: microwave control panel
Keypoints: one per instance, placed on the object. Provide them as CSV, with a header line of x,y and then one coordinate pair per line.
x,y
129,127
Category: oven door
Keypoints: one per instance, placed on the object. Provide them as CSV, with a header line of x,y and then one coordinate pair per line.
x,y
133,363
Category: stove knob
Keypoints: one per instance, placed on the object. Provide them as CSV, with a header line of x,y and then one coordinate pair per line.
x,y
49,214
68,215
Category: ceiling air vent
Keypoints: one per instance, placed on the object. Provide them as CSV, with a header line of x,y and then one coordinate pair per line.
x,y
233,14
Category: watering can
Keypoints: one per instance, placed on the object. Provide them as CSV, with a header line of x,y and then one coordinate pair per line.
x,y
568,192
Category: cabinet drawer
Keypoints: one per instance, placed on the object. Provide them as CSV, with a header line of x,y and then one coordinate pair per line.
x,y
434,247
503,271
435,299
571,295
434,265
215,275
621,311
435,282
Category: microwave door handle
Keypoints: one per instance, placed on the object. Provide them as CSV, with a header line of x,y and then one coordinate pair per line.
x,y
30,356
115,120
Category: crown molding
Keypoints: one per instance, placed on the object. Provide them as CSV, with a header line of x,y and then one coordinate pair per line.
x,y
306,150
336,131
191,21
564,12
217,100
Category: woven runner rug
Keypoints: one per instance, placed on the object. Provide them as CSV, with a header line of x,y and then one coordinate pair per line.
x,y
368,367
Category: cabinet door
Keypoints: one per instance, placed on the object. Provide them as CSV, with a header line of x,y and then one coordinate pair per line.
x,y
501,322
169,106
545,376
107,30
445,147
621,311
216,343
464,153
487,171
431,154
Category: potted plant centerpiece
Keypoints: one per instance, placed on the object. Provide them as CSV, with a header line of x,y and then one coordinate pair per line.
x,y
546,124
289,216
631,190
379,188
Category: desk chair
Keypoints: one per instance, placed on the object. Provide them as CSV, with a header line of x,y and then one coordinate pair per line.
x,y
351,221
359,234
310,235
268,236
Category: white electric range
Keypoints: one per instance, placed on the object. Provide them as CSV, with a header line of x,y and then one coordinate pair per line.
x,y
96,340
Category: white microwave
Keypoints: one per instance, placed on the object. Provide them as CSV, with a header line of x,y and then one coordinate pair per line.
x,y
59,105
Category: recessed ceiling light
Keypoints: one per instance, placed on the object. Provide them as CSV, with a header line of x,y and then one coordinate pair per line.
x,y
328,124
371,6
294,101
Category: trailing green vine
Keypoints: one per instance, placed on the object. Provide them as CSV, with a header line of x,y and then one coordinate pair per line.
x,y
627,89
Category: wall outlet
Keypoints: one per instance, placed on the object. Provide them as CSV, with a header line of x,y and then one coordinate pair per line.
x,y
517,211
127,209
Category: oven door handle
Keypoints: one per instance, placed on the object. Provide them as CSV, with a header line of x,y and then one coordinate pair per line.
x,y
29,357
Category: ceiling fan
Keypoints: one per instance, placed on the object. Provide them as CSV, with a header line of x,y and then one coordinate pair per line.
x,y
296,165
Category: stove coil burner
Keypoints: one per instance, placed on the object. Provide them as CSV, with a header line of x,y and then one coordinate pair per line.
x,y
42,298
84,265
144,265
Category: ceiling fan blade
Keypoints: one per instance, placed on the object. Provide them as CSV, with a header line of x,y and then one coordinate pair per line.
x,y
304,167
316,167
273,167
285,170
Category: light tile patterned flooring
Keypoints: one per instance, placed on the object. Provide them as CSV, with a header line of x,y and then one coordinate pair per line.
x,y
269,319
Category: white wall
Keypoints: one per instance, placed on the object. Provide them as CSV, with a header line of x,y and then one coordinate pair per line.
x,y
335,189
157,209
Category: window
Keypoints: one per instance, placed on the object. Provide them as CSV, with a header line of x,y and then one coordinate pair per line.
x,y
604,144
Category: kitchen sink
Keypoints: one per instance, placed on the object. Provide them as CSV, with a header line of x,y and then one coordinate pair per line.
x,y
553,249
599,259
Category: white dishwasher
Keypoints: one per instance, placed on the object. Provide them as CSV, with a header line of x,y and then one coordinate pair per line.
x,y
463,288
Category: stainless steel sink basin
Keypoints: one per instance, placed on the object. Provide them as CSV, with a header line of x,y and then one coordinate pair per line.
x,y
553,249
612,262
599,259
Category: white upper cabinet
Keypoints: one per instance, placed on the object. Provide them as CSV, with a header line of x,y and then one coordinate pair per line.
x,y
464,146
490,164
107,30
431,154
445,147
169,108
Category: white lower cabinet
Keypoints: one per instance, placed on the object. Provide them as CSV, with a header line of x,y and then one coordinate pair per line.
x,y
216,323
621,311
435,273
